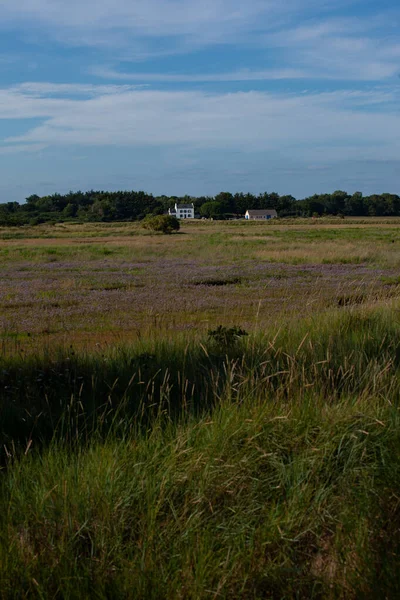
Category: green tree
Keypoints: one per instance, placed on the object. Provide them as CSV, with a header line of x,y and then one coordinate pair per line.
x,y
212,210
354,205
226,200
70,210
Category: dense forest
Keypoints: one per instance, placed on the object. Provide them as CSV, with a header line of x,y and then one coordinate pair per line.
x,y
131,205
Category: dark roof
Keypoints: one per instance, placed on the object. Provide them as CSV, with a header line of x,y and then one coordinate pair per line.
x,y
185,206
260,213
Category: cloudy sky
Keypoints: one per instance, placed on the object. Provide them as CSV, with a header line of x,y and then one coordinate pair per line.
x,y
189,96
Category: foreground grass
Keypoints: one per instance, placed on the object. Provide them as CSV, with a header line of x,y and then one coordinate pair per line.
x,y
260,501
268,468
354,350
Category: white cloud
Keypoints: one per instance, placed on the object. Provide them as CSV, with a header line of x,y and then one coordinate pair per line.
x,y
350,58
44,88
149,17
239,75
333,125
363,49
357,49
192,23
308,38
140,29
328,69
15,149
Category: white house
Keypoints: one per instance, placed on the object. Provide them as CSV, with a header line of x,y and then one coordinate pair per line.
x,y
257,215
182,211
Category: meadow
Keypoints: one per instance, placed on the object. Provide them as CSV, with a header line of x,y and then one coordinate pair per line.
x,y
107,283
207,414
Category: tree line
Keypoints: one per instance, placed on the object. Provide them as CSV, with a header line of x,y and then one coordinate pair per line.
x,y
131,206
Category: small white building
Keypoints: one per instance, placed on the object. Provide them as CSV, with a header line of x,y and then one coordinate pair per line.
x,y
182,211
257,215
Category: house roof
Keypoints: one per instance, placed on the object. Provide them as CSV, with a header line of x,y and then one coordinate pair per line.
x,y
184,205
260,213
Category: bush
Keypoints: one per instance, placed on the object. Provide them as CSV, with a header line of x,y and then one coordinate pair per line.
x,y
162,223
37,221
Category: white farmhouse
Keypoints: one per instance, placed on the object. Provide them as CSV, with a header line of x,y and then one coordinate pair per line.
x,y
256,215
182,211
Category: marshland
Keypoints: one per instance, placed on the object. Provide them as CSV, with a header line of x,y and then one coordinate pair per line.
x,y
208,414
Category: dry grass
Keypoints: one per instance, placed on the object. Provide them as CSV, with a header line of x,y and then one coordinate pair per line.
x,y
90,284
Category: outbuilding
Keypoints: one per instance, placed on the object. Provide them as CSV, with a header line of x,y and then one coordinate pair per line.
x,y
258,215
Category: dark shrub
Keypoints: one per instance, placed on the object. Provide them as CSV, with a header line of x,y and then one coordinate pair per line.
x,y
161,223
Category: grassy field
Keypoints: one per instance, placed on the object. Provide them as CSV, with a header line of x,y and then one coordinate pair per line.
x,y
106,283
144,457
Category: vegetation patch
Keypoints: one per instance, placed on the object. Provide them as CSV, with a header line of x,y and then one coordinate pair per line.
x,y
219,282
351,299
391,280
162,223
226,338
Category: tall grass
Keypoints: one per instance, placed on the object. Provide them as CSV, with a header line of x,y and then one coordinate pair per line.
x,y
259,501
355,350
266,468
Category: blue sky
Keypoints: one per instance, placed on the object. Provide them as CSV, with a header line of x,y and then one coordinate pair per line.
x,y
188,97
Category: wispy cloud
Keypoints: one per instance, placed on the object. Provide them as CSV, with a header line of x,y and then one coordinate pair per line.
x,y
239,75
334,68
295,39
345,49
191,22
334,48
147,17
70,89
337,124
17,149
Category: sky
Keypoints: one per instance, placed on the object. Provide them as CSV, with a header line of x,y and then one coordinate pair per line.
x,y
196,97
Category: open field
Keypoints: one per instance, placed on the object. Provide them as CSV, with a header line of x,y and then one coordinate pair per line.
x,y
142,457
102,283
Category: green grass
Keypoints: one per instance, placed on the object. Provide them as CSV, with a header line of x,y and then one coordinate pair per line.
x,y
181,465
267,469
54,253
346,351
261,500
